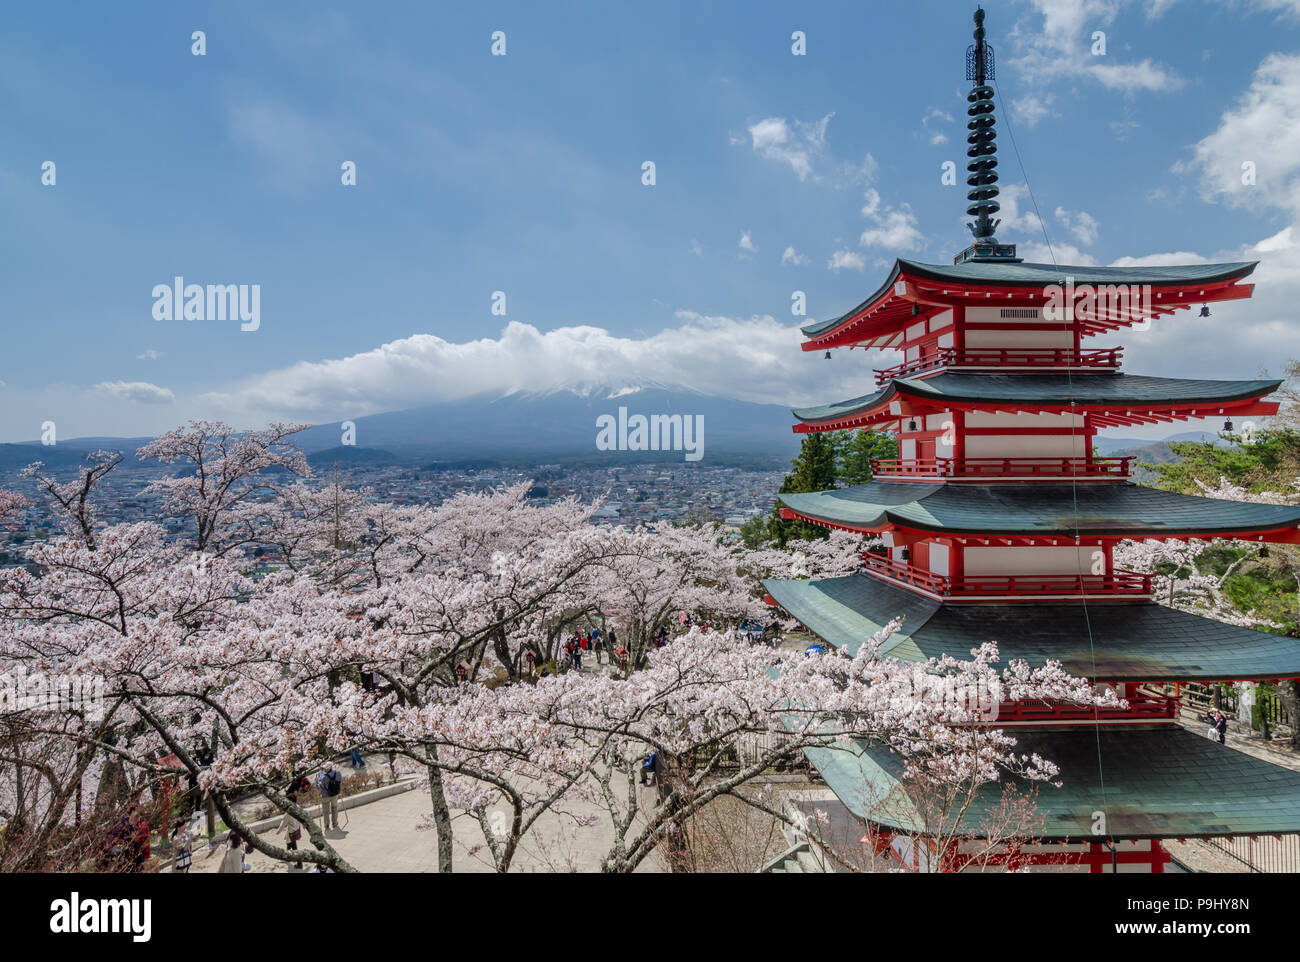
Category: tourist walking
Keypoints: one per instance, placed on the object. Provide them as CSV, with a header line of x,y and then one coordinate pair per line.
x,y
648,768
182,845
330,783
1221,726
291,826
355,760
232,863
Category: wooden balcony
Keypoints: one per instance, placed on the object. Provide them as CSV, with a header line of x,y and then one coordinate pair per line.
x,y
998,469
1027,587
1143,706
1015,359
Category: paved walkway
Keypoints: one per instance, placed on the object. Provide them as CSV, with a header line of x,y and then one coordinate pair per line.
x,y
1276,750
383,837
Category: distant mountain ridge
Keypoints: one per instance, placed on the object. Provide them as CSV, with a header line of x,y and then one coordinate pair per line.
x,y
1110,446
559,425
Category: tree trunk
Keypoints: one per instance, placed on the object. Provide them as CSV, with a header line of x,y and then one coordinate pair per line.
x,y
441,813
502,649
1289,692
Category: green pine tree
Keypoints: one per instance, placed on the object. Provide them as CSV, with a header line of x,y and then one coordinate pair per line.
x,y
857,449
814,470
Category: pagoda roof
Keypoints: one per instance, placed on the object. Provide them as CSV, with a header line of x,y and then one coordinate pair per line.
x,y
1131,641
1152,782
1039,275
911,282
1016,391
1119,509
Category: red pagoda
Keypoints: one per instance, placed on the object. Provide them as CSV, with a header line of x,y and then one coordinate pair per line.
x,y
1000,522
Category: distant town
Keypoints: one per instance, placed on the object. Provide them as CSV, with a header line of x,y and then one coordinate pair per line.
x,y
632,494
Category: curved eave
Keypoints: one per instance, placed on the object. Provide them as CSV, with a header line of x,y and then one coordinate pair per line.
x,y
1160,782
1120,510
1030,274
889,308
1137,641
1153,399
822,328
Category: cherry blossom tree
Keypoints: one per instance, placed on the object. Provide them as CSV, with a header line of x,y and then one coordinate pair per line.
x,y
402,628
221,469
1190,584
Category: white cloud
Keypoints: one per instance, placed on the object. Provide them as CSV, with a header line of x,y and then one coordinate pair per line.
x,y
1260,127
1280,241
752,359
1036,252
1122,128
1131,77
137,392
1156,8
798,145
1010,197
1079,223
845,259
1061,49
149,355
696,249
1288,7
793,257
864,172
1263,129
1285,9
895,229
1172,259
935,116
1030,109
747,243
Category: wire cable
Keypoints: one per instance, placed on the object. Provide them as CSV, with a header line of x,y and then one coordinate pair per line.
x,y
1074,480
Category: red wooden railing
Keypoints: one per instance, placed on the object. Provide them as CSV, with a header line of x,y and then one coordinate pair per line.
x,y
1049,357
1141,704
1117,584
1001,467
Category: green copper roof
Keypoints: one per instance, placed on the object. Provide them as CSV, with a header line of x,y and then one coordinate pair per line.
x,y
1046,274
1159,782
1131,641
1043,275
1121,509
845,612
1052,389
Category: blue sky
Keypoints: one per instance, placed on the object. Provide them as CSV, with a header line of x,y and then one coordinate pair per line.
x,y
522,174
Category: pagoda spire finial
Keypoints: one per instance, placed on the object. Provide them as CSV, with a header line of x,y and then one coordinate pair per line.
x,y
982,168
